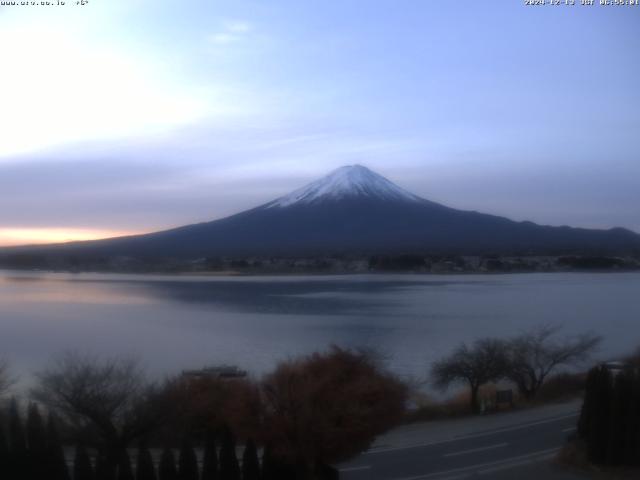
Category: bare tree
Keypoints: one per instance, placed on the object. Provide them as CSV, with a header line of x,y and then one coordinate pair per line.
x,y
327,407
6,381
482,362
108,396
538,352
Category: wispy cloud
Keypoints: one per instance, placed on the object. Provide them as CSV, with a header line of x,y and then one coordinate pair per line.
x,y
231,31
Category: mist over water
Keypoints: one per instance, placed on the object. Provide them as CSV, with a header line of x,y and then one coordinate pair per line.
x,y
176,322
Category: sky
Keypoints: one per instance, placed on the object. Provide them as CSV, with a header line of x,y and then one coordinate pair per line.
x,y
125,116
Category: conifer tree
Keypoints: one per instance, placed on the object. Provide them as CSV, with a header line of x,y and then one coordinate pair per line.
x,y
124,467
624,449
36,433
19,465
250,462
229,468
273,468
37,443
610,418
56,462
82,468
145,469
210,460
16,431
4,453
187,461
104,470
587,410
632,443
167,469
268,467
599,417
619,419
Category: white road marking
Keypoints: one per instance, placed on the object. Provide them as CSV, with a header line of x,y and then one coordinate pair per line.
x,y
519,463
570,429
474,450
474,435
456,477
499,464
355,469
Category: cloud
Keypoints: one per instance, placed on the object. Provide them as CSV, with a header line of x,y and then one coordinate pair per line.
x,y
209,171
232,31
238,27
81,91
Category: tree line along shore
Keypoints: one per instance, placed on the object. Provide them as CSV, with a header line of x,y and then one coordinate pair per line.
x,y
328,264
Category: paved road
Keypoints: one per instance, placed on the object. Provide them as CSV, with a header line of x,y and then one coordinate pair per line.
x,y
510,446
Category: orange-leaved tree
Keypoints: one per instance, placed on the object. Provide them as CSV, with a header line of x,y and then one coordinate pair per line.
x,y
328,407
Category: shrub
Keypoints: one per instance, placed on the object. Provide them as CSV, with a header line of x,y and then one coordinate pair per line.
x,y
327,407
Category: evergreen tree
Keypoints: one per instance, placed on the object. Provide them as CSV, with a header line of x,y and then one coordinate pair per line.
x,y
16,431
229,468
37,443
631,454
210,460
587,411
599,417
145,469
619,418
104,469
274,468
610,417
124,467
268,464
36,433
56,462
250,462
4,452
187,461
167,469
82,469
19,465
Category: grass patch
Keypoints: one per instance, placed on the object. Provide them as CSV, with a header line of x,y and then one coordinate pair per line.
x,y
558,388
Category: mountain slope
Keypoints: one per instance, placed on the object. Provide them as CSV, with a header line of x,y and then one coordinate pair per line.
x,y
354,210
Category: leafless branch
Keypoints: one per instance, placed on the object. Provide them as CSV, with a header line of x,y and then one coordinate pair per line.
x,y
6,380
535,354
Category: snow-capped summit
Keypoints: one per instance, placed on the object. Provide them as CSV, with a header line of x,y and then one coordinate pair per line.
x,y
346,182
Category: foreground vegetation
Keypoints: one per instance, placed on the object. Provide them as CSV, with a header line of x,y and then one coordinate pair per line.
x,y
607,441
307,414
525,361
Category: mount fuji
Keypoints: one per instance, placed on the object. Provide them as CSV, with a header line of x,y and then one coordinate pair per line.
x,y
353,181
354,210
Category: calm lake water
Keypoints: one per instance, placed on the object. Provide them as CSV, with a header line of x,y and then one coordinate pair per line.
x,y
176,322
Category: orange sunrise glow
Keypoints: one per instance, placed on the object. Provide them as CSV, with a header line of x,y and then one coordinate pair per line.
x,y
30,236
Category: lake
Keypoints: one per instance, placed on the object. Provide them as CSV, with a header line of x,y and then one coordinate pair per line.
x,y
176,322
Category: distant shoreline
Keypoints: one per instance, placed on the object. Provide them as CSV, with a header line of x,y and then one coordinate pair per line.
x,y
345,264
310,273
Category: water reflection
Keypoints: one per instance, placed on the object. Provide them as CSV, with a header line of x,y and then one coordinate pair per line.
x,y
174,322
